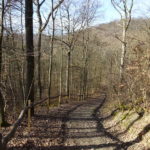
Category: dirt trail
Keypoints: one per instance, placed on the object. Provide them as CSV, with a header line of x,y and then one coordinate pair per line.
x,y
77,126
83,129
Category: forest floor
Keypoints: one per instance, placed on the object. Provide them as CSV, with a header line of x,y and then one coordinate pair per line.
x,y
88,125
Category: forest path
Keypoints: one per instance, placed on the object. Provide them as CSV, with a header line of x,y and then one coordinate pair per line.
x,y
83,129
77,126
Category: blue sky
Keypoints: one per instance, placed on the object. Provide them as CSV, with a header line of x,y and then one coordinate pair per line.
x,y
105,14
108,13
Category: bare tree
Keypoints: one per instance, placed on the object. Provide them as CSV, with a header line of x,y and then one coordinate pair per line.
x,y
41,28
51,52
61,60
2,118
124,8
88,12
29,51
72,26
2,104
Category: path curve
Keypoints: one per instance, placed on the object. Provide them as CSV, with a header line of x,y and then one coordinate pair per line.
x,y
77,126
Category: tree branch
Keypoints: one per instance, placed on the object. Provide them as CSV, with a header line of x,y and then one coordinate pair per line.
x,y
47,20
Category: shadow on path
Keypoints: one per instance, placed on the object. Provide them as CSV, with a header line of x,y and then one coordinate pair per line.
x,y
82,113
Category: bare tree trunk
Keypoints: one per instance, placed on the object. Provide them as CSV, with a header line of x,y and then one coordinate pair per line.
x,y
2,115
21,20
61,62
39,64
29,51
50,73
81,85
60,77
39,46
42,27
68,73
10,76
84,81
51,53
71,92
123,52
22,47
85,70
125,12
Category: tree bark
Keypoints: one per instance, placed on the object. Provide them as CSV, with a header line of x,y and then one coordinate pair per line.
x,y
29,51
39,46
123,52
51,53
39,64
60,85
60,76
125,12
50,75
2,115
68,74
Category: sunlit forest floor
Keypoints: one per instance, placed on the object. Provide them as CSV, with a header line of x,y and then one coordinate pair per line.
x,y
87,125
